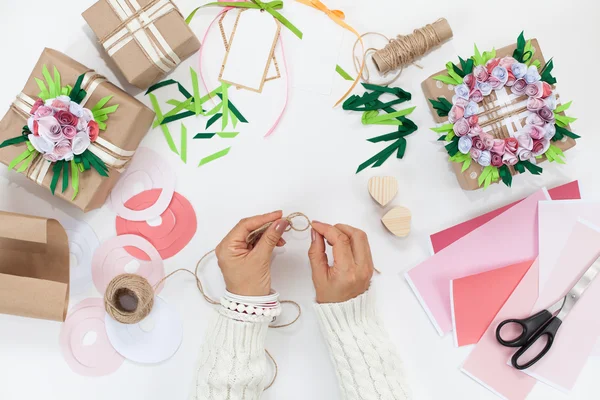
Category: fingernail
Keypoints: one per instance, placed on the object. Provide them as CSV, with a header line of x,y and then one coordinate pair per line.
x,y
313,235
281,226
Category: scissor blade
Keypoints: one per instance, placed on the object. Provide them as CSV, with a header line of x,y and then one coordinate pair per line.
x,y
580,287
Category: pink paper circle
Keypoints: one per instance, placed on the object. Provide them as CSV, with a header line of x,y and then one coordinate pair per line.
x,y
177,228
111,258
97,359
147,168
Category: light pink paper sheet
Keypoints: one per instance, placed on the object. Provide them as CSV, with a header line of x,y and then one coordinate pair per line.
x,y
445,238
487,362
514,239
577,336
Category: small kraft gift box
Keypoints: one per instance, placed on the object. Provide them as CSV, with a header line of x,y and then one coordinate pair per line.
x,y
72,131
34,267
499,114
146,38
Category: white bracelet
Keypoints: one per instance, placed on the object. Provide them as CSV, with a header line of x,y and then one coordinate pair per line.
x,y
272,311
253,300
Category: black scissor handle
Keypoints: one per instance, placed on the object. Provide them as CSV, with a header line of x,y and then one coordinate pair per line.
x,y
549,331
529,326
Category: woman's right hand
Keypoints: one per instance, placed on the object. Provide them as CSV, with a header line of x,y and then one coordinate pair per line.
x,y
352,269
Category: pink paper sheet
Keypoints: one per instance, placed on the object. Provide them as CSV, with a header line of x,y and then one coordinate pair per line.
x,y
515,239
579,332
445,238
487,362
476,299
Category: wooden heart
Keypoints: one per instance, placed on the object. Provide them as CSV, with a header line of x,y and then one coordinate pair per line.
x,y
397,221
383,189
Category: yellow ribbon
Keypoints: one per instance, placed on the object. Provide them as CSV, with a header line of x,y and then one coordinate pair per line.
x,y
338,17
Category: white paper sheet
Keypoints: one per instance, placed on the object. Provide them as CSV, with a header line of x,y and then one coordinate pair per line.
x,y
250,50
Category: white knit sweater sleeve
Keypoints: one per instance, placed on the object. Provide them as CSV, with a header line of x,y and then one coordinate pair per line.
x,y
233,363
366,362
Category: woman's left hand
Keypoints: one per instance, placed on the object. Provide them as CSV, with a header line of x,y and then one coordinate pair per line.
x,y
247,270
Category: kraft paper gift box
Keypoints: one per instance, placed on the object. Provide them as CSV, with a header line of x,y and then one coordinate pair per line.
x,y
34,267
125,129
494,111
146,38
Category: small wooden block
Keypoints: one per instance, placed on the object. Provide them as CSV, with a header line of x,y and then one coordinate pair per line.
x,y
397,220
383,189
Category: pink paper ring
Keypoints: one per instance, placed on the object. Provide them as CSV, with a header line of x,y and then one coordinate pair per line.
x,y
177,228
111,260
162,177
98,359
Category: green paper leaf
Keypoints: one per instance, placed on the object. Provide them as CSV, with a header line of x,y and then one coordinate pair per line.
x,y
372,117
13,141
164,128
385,138
74,178
562,120
446,79
65,181
546,74
177,117
234,110
532,168
57,82
559,131
225,109
520,50
466,164
27,162
452,147
443,129
505,175
214,156
451,135
234,119
477,57
183,144
343,73
44,93
196,89
441,105
457,78
213,119
76,93
379,158
95,162
105,111
15,161
458,71
528,50
51,86
204,135
101,103
56,170
488,55
563,107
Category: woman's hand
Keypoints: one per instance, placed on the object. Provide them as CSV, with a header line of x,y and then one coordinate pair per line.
x,y
350,275
247,270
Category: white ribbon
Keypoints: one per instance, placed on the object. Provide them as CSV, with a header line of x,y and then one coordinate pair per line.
x,y
136,29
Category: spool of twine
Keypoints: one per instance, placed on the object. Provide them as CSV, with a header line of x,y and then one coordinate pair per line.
x,y
129,298
404,50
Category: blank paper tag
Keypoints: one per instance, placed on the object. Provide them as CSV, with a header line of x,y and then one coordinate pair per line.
x,y
250,51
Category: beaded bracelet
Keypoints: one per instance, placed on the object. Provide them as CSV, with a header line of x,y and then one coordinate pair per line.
x,y
273,311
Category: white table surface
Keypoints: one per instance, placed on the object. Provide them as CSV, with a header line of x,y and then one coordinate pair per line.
x,y
307,165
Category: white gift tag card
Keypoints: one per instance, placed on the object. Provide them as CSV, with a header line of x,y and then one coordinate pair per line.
x,y
251,49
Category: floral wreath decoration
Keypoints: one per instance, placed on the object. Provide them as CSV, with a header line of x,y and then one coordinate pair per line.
x,y
545,123
61,130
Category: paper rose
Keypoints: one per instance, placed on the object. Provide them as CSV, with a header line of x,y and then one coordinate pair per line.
x,y
519,87
519,70
512,145
456,113
43,111
470,81
535,90
50,129
501,74
488,140
534,104
476,130
547,90
499,147
473,120
66,118
534,119
461,127
475,154
509,158
550,102
485,158
38,103
465,144
491,64
76,109
478,143
485,88
81,143
63,150
511,79
471,109
550,130
495,83
540,147
496,160
459,101
41,144
480,73
524,154
546,114
94,130
525,141
476,96
507,62
532,75
462,90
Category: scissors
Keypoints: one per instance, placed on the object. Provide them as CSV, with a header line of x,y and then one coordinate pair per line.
x,y
546,322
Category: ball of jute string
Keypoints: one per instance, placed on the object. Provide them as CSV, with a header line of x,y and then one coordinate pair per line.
x,y
129,298
405,49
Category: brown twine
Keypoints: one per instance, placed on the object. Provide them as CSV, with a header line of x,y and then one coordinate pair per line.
x,y
129,298
366,73
405,49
